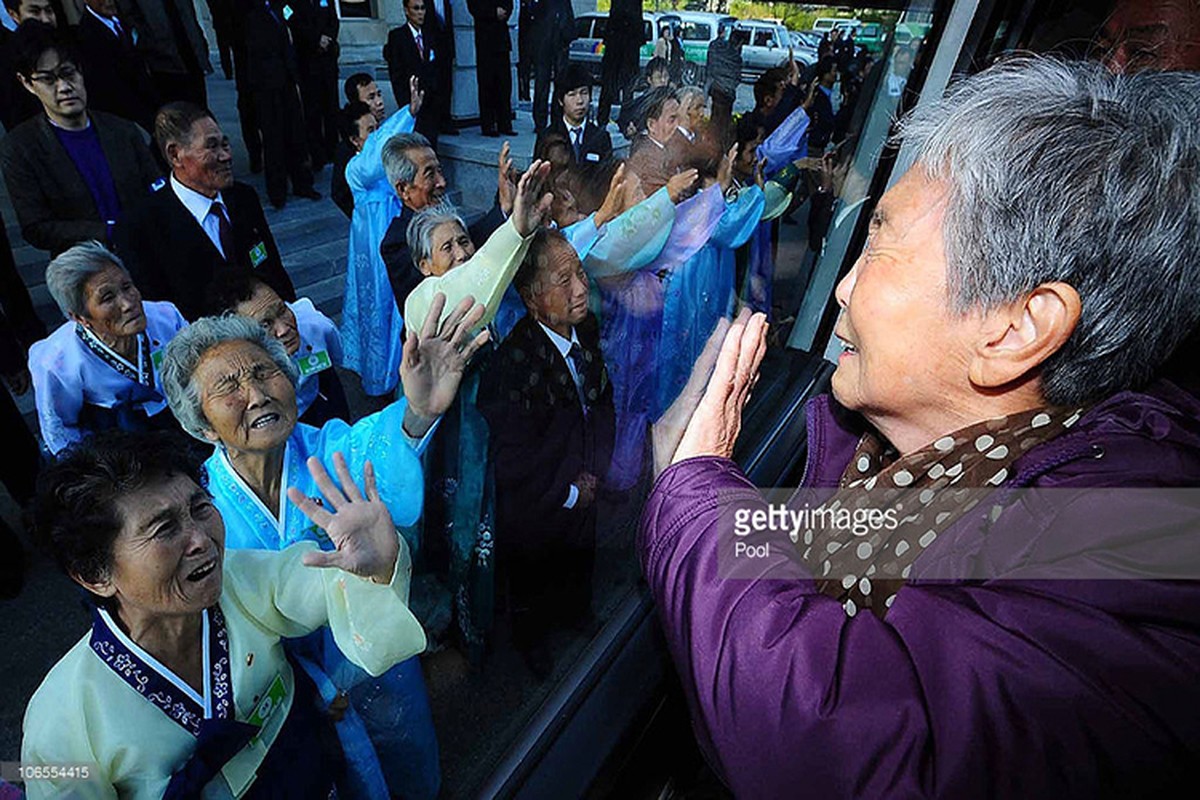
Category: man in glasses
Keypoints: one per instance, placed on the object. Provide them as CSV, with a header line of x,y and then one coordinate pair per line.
x,y
15,105
71,172
1152,34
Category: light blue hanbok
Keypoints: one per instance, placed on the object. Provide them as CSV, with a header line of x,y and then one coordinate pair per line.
x,y
371,322
703,294
387,733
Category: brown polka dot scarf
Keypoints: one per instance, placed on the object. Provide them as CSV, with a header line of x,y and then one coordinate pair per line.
x,y
864,568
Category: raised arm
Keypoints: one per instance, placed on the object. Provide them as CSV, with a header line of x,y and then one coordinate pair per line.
x,y
365,169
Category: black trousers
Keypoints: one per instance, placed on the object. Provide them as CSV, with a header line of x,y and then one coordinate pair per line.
x,y
722,115
549,63
285,152
494,76
247,115
180,86
319,90
618,71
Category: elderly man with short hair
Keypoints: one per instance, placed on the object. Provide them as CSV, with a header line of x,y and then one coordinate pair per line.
x,y
203,224
1007,634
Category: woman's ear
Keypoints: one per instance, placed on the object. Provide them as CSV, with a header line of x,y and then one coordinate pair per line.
x,y
1016,339
101,588
425,266
212,436
79,318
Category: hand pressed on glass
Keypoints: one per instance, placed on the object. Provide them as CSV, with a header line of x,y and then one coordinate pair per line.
x,y
432,363
359,526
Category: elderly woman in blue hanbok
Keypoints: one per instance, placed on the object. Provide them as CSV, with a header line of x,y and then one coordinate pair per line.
x,y
181,688
99,369
231,384
371,322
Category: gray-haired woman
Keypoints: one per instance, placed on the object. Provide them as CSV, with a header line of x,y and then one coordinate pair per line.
x,y
230,383
99,369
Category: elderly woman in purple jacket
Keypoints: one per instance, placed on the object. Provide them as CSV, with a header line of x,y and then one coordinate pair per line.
x,y
1026,627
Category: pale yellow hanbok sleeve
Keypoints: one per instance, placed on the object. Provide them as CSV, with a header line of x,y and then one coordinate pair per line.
x,y
371,623
485,277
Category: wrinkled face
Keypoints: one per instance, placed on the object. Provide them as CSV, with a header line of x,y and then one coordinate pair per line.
x,y
414,10
366,126
249,402
370,94
564,208
1152,34
659,77
105,8
205,161
428,186
450,246
58,85
558,295
691,112
167,559
575,104
112,305
908,351
662,128
268,309
41,10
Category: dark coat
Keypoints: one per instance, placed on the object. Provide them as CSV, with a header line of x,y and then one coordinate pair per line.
x,y
821,120
271,63
725,65
53,203
114,72
541,440
596,146
625,23
491,34
404,61
552,25
156,36
653,164
339,189
161,225
310,22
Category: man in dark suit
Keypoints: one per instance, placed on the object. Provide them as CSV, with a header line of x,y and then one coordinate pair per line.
x,y
16,104
273,75
202,225
623,40
170,40
590,144
315,29
493,72
72,174
820,106
118,81
651,157
440,14
222,13
552,25
412,49
549,404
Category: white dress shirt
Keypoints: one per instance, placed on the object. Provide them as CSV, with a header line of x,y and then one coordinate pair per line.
x,y
199,207
109,22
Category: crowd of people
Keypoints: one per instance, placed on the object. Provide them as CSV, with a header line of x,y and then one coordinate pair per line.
x,y
263,568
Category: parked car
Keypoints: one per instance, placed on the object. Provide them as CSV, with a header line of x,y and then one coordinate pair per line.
x,y
826,25
765,45
809,39
696,30
587,48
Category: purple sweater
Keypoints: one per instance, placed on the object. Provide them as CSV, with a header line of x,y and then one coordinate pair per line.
x,y
1002,688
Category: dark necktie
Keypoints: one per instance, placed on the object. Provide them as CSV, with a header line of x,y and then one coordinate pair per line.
x,y
224,230
576,141
420,47
575,354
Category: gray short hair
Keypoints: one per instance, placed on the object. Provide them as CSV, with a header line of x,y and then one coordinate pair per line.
x,y
424,223
69,272
396,163
1060,171
185,351
686,93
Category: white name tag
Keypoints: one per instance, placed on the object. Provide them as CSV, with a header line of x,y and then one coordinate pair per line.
x,y
592,157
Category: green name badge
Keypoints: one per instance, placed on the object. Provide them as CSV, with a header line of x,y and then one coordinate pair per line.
x,y
287,13
271,701
156,358
314,363
258,254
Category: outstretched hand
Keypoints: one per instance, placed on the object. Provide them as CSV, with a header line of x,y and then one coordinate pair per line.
x,y
359,526
433,361
416,96
531,208
668,429
506,184
681,184
725,168
614,202
714,426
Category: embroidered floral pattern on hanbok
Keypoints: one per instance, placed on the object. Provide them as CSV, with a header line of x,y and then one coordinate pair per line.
x,y
142,372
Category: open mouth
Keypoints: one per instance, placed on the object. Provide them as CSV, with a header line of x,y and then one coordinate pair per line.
x,y
847,348
203,571
265,421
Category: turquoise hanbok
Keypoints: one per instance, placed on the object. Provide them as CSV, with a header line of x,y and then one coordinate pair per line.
x,y
371,322
387,733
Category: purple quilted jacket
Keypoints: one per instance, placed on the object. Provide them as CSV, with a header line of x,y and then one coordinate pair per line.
x,y
1010,687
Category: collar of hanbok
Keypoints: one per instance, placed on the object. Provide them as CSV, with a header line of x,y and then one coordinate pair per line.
x,y
142,372
256,521
159,685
